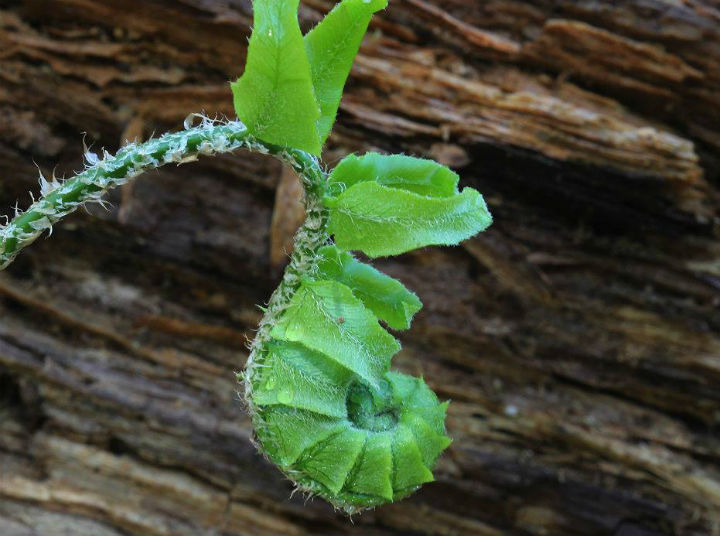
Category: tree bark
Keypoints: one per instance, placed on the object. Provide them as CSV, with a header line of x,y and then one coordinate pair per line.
x,y
578,338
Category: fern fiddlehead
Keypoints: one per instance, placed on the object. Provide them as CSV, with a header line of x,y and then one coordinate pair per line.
x,y
325,406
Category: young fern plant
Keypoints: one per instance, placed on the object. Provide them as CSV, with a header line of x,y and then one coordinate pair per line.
x,y
325,406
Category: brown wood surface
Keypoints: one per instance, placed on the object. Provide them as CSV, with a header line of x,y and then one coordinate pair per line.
x,y
578,338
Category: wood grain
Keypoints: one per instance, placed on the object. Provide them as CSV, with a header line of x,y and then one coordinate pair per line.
x,y
578,338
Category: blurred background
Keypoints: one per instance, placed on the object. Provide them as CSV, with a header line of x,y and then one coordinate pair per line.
x,y
578,338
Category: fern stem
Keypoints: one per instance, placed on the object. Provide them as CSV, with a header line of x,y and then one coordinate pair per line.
x,y
62,198
312,235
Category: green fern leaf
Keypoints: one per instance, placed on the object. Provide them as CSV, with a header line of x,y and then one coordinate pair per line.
x,y
274,97
325,317
424,177
297,374
331,48
386,297
381,221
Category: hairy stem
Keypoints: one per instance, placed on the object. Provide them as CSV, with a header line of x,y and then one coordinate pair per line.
x,y
62,198
311,236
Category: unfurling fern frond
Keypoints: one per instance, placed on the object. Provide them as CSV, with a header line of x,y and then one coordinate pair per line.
x,y
325,405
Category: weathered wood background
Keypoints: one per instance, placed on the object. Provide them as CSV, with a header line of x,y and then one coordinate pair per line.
x,y
578,338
